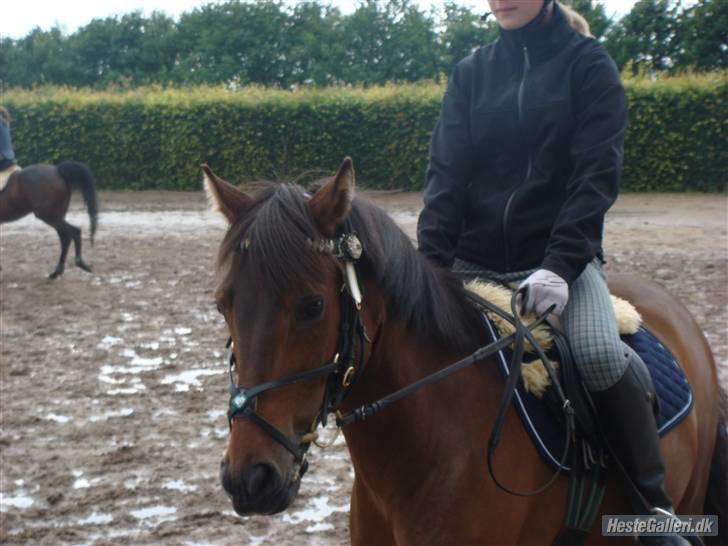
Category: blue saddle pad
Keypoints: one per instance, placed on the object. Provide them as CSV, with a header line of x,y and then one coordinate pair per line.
x,y
671,384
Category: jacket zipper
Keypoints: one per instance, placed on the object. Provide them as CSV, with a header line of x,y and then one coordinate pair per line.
x,y
521,86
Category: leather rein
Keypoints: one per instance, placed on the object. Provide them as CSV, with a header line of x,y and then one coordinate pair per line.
x,y
348,365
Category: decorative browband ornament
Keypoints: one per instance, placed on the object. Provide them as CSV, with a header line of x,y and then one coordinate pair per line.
x,y
348,249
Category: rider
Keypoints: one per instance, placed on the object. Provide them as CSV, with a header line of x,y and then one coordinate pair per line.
x,y
524,162
7,156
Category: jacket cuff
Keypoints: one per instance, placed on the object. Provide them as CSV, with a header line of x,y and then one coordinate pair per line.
x,y
553,264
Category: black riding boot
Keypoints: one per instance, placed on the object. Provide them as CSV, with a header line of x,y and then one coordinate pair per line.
x,y
626,415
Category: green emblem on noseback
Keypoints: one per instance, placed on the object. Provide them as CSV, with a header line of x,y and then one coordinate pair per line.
x,y
239,400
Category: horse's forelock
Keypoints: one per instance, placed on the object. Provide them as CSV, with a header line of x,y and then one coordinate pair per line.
x,y
274,238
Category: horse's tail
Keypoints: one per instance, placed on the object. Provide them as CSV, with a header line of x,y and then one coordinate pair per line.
x,y
78,174
716,500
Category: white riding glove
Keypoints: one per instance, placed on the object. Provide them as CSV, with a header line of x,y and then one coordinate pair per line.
x,y
541,290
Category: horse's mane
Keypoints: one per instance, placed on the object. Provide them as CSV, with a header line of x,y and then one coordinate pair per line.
x,y
429,300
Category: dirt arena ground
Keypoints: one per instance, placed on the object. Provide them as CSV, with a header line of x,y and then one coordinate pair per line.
x,y
113,385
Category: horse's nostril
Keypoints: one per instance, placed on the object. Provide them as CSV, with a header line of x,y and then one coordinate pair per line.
x,y
259,478
225,478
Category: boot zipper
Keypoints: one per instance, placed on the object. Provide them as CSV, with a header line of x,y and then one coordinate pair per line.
x,y
521,86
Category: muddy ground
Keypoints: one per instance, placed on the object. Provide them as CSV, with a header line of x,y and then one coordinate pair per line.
x,y
113,385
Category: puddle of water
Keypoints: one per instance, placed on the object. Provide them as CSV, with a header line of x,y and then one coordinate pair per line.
x,y
18,501
179,485
137,360
136,390
95,519
319,527
81,483
108,369
158,511
167,222
57,418
137,365
214,415
183,381
317,513
123,412
165,412
329,484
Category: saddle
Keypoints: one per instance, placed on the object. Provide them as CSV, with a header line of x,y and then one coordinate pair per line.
x,y
544,385
535,399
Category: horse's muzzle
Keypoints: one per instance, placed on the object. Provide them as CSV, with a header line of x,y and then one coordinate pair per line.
x,y
258,489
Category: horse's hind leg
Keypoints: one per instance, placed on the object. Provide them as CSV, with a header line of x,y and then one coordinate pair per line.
x,y
76,235
65,237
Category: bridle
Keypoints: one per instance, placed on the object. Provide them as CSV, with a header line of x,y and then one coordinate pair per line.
x,y
344,369
341,372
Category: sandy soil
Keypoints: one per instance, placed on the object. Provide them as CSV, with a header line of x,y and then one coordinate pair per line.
x,y
113,385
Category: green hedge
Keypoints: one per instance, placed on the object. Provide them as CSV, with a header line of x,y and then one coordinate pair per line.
x,y
155,138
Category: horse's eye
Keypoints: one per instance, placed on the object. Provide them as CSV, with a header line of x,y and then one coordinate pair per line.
x,y
219,308
310,308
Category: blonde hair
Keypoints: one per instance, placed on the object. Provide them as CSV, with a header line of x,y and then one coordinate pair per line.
x,y
4,115
575,19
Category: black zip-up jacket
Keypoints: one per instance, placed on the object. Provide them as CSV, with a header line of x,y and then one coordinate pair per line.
x,y
526,157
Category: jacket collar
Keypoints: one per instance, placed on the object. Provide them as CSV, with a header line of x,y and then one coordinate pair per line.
x,y
542,37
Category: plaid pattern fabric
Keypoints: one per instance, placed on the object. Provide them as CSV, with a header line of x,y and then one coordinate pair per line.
x,y
588,321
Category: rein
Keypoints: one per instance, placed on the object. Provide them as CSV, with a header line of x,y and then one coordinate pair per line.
x,y
523,331
342,372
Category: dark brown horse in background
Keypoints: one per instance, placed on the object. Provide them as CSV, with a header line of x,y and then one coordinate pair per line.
x,y
45,190
420,466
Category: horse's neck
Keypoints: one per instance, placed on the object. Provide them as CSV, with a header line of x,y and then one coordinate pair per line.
x,y
423,430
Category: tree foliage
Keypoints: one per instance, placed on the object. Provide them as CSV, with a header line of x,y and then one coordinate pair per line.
x,y
463,32
704,38
647,36
266,42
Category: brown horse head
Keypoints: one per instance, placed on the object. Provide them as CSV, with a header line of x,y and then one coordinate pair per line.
x,y
280,299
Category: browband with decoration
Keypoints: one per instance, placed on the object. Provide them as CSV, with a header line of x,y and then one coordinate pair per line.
x,y
347,248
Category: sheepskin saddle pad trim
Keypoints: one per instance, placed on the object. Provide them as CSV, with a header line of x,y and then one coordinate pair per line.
x,y
542,421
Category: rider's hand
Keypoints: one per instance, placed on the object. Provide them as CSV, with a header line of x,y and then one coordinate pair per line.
x,y
541,290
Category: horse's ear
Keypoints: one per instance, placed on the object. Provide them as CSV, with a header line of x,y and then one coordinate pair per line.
x,y
331,204
223,196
